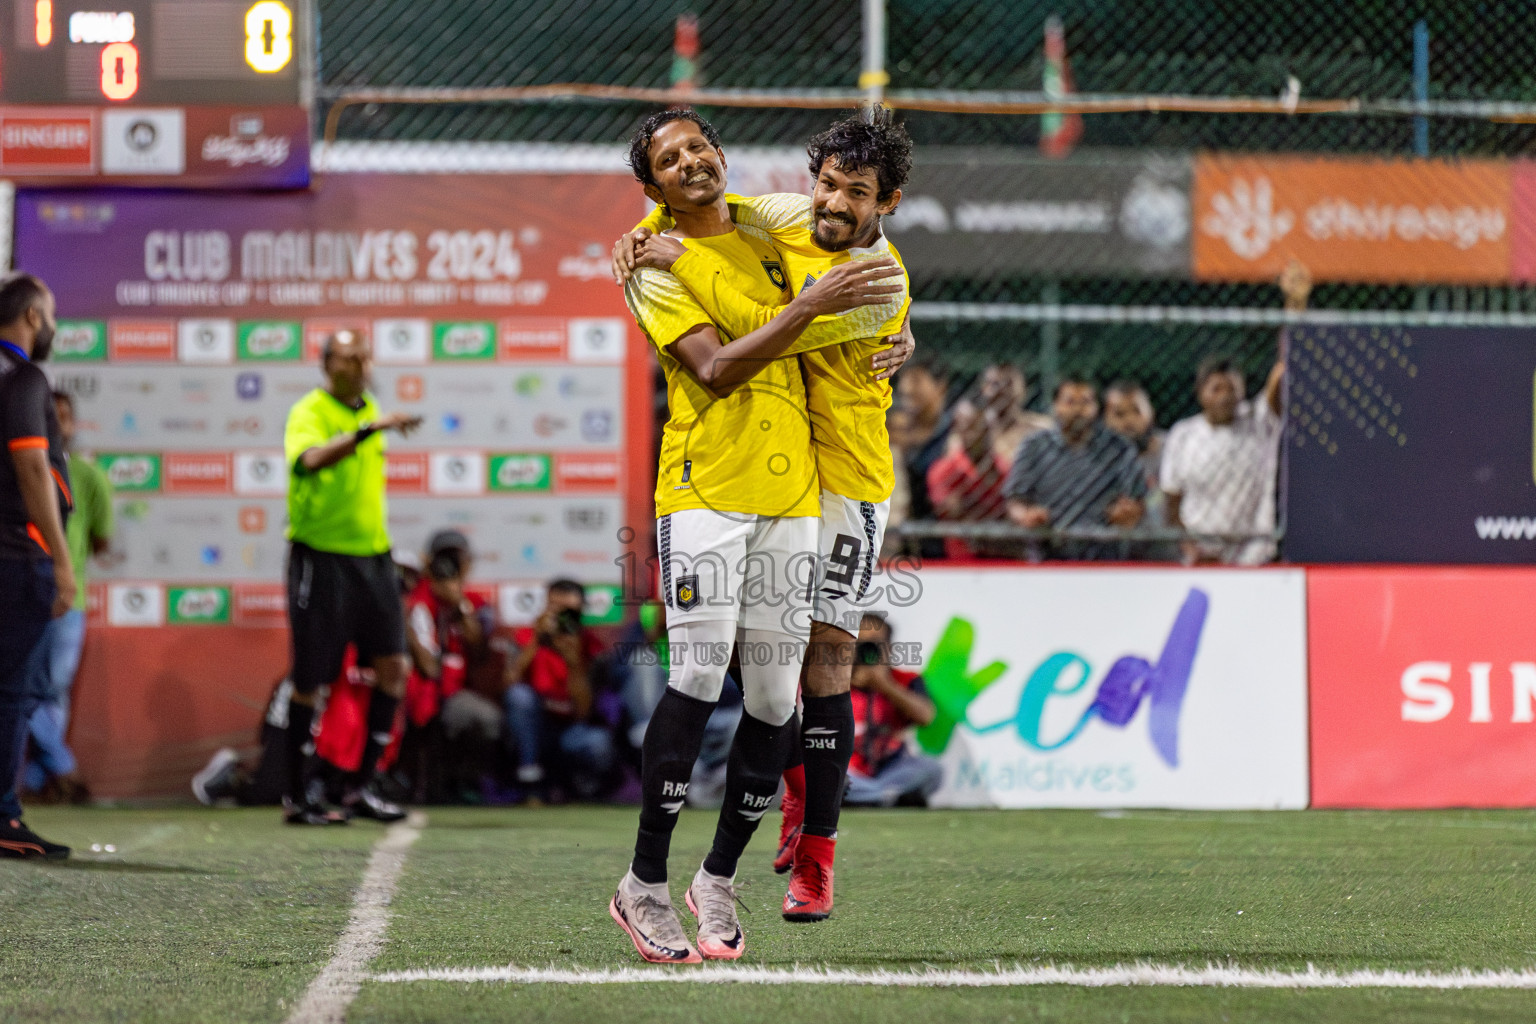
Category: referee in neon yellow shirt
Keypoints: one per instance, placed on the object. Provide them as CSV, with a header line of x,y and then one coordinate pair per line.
x,y
342,586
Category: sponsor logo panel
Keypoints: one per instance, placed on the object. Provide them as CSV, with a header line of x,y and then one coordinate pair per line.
x,y
143,141
205,341
1185,688
131,471
520,472
269,340
599,340
58,141
142,340
80,340
260,604
406,472
456,473
587,472
472,339
197,473
135,604
1423,686
533,338
199,605
1390,221
402,342
260,474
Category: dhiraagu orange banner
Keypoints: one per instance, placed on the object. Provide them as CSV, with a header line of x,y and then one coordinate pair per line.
x,y
1365,220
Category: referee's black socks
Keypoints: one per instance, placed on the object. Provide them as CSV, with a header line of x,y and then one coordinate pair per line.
x,y
671,746
300,750
381,724
826,738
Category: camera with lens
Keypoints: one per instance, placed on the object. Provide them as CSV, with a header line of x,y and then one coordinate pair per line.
x,y
568,621
866,652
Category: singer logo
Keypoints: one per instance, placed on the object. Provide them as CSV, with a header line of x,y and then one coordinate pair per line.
x,y
584,472
51,143
197,473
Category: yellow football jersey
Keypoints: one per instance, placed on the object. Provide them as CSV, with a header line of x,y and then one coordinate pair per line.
x,y
749,452
847,405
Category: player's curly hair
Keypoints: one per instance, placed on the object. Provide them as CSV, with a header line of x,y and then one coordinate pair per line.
x,y
640,142
881,144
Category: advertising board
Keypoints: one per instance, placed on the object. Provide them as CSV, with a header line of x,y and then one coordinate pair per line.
x,y
1111,688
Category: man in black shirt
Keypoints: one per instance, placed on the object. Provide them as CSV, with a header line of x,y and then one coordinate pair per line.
x,y
36,576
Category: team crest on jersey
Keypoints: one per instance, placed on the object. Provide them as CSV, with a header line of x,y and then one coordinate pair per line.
x,y
776,274
688,592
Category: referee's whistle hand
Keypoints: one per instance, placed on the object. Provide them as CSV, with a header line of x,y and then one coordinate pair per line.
x,y
403,422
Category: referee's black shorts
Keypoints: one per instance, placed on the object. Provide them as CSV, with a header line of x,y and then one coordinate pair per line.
x,y
335,600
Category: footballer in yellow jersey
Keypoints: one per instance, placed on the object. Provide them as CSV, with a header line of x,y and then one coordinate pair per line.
x,y
859,168
736,517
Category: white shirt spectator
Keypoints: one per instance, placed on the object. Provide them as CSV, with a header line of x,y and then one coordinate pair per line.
x,y
1226,475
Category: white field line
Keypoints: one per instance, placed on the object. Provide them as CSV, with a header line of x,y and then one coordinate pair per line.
x,y
1090,977
329,995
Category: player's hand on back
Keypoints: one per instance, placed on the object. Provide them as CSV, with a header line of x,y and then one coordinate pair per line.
x,y
624,254
659,252
887,361
853,284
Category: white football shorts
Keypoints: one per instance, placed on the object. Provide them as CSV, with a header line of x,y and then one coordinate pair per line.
x,y
755,570
852,533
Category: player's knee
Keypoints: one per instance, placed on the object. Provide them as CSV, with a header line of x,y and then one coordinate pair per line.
x,y
773,705
699,681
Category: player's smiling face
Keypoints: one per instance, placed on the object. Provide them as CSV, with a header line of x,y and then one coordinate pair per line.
x,y
689,172
847,207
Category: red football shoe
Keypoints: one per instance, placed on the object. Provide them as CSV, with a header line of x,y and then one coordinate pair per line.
x,y
810,887
793,811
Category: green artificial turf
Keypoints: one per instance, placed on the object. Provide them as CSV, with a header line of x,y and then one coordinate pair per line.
x,y
189,923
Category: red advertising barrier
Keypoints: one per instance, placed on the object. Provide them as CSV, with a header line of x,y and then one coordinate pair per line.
x,y
1423,687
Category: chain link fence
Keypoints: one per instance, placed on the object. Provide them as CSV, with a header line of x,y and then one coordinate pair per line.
x,y
1151,241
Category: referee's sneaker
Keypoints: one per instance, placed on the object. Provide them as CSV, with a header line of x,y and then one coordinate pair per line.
x,y
342,584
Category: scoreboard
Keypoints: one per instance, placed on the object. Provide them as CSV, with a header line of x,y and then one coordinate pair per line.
x,y
196,93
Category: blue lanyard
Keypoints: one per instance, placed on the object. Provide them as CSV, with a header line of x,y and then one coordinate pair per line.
x,y
17,349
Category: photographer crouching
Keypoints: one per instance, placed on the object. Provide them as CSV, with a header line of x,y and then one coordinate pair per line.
x,y
886,702
550,704
456,682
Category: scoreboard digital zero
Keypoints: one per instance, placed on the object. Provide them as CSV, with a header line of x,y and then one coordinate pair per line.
x,y
198,93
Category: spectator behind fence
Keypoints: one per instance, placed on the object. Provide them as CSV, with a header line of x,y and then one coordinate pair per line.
x,y
1128,412
1077,475
886,702
454,698
1003,390
551,703
50,771
1219,467
966,482
922,388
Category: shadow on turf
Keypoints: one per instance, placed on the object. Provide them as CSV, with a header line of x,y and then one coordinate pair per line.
x,y
117,867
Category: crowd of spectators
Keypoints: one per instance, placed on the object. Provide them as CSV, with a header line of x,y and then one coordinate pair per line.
x,y
1095,480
